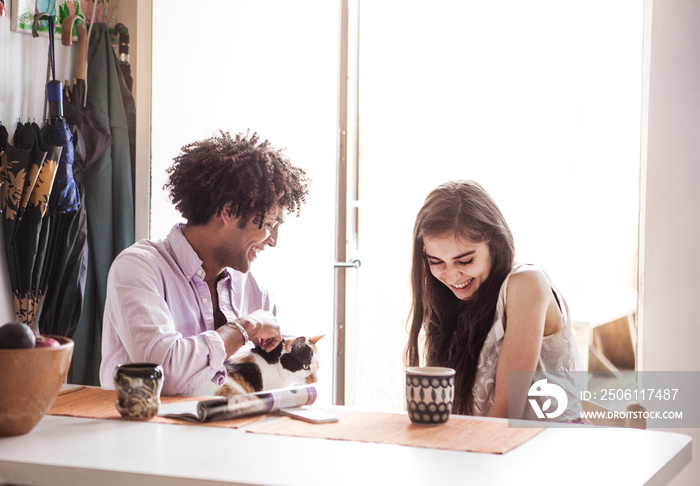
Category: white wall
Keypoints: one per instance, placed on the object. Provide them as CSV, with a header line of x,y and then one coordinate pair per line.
x,y
671,229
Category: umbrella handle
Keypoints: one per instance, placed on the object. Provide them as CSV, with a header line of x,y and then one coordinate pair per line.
x,y
67,39
38,18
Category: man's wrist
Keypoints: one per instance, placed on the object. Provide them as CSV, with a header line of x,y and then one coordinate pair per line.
x,y
240,329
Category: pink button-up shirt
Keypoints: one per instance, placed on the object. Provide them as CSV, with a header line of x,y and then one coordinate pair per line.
x,y
159,310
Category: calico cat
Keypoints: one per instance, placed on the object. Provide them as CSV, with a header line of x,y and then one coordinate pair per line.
x,y
294,362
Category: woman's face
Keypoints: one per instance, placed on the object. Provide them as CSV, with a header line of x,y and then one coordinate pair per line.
x,y
462,265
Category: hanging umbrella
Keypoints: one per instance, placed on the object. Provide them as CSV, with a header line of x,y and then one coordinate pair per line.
x,y
68,243
65,267
65,197
126,88
124,58
64,204
89,139
4,136
79,89
29,232
28,171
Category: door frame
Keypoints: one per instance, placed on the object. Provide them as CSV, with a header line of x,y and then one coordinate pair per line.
x,y
347,161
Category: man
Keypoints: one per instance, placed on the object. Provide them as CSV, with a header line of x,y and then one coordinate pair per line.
x,y
188,302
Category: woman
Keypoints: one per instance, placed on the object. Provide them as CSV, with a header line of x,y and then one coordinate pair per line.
x,y
480,313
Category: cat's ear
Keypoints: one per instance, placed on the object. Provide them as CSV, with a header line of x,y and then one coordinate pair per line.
x,y
315,339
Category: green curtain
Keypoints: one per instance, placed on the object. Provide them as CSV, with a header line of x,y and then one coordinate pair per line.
x,y
109,198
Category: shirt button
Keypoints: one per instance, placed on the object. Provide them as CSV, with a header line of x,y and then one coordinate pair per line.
x,y
204,301
199,272
188,277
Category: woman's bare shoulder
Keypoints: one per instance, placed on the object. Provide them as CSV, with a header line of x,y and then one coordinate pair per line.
x,y
528,277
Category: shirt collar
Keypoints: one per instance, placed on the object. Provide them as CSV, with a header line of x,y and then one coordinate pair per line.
x,y
187,259
185,256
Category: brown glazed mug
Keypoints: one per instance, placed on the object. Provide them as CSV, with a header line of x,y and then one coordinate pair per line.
x,y
138,388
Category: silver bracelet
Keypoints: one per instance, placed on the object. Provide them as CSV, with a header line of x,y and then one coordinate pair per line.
x,y
237,326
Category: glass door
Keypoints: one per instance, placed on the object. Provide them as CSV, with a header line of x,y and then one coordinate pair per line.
x,y
539,102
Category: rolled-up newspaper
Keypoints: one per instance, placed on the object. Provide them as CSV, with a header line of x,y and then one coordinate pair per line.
x,y
243,405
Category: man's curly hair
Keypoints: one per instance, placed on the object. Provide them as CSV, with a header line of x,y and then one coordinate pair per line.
x,y
252,175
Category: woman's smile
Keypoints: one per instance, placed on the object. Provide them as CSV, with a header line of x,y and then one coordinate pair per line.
x,y
460,264
464,285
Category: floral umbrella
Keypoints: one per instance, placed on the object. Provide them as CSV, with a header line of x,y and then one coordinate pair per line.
x,y
28,171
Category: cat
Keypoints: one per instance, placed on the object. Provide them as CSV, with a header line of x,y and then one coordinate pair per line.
x,y
294,362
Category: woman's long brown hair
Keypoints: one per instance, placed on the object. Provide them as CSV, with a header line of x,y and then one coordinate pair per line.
x,y
455,330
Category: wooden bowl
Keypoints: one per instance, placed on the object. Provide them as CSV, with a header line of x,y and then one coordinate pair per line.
x,y
30,380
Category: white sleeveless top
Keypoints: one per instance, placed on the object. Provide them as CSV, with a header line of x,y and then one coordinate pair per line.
x,y
558,354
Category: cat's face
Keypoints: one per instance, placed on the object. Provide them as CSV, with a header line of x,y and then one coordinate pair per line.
x,y
300,356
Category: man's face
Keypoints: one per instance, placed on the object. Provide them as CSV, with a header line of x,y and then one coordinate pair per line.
x,y
244,244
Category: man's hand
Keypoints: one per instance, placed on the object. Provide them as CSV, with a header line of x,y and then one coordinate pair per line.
x,y
262,328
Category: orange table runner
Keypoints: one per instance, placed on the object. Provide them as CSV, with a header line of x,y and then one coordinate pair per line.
x,y
457,434
356,425
97,403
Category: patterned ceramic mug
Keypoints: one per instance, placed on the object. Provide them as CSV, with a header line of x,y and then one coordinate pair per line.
x,y
138,390
429,394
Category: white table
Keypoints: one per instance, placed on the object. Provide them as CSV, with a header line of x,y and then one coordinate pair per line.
x,y
75,451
